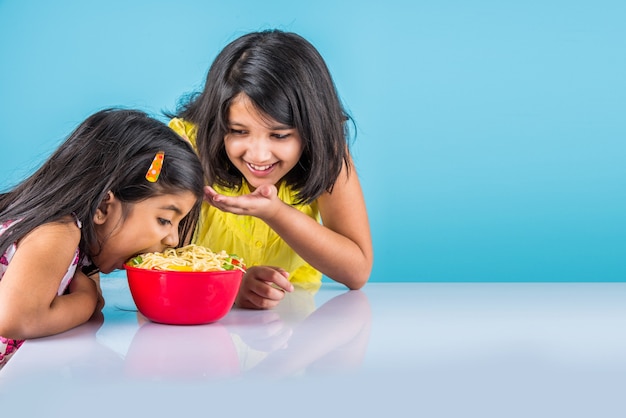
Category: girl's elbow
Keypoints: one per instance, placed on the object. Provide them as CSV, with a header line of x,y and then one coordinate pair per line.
x,y
16,325
356,286
6,324
10,329
359,278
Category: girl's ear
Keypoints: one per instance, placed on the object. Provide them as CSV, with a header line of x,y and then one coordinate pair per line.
x,y
104,208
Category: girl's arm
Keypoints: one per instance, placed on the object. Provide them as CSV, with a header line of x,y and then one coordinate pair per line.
x,y
29,304
341,248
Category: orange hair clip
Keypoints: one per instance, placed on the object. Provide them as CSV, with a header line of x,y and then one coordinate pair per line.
x,y
155,168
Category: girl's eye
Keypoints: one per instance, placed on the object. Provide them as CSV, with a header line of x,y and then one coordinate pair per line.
x,y
164,222
281,136
237,131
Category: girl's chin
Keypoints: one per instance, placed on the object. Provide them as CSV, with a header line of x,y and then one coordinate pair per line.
x,y
255,182
109,269
259,180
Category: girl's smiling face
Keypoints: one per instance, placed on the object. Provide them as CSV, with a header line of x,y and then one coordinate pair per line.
x,y
263,150
150,225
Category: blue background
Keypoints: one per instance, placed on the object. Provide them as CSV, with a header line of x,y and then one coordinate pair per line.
x,y
491,134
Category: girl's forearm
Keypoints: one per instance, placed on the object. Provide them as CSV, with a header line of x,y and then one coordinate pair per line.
x,y
331,253
64,312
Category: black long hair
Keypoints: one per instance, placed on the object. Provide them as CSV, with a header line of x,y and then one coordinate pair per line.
x,y
110,151
287,79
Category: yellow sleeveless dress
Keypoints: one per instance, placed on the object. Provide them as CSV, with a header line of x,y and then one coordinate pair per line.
x,y
247,236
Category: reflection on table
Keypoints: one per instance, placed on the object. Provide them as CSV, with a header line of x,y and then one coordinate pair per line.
x,y
310,332
434,349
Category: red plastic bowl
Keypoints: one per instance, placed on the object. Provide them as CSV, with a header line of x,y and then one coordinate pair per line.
x,y
183,297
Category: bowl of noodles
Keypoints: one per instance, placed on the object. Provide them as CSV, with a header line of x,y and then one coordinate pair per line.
x,y
190,285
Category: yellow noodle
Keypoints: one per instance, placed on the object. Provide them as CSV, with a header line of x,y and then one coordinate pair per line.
x,y
189,258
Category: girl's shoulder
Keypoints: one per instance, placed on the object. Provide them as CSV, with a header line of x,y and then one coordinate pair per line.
x,y
72,220
51,241
65,231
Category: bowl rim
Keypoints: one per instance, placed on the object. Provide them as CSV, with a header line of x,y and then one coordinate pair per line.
x,y
140,269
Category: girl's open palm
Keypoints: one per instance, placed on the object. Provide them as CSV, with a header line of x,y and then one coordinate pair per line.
x,y
262,203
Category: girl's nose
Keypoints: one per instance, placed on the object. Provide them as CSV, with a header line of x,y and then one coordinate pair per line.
x,y
171,240
258,151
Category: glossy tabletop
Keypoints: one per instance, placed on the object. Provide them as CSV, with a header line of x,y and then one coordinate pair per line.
x,y
448,349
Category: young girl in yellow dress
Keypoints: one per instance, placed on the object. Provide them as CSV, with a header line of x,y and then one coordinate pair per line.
x,y
284,194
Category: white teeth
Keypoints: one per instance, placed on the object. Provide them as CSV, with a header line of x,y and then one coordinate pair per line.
x,y
260,167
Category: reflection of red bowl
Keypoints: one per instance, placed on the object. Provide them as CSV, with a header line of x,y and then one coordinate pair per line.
x,y
183,297
165,352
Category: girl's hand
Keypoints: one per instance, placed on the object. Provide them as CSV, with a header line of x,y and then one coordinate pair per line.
x,y
100,304
262,203
90,285
263,287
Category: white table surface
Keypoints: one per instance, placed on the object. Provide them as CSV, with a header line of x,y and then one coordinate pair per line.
x,y
422,349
